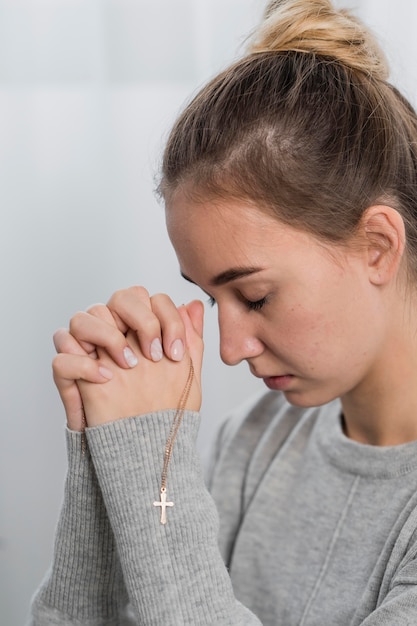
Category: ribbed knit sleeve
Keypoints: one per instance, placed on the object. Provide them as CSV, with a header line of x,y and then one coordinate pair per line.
x,y
174,573
85,583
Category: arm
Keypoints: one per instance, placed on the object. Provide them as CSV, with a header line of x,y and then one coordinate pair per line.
x,y
174,573
396,597
399,608
182,565
85,583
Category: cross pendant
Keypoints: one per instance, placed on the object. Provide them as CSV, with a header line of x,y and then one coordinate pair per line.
x,y
163,504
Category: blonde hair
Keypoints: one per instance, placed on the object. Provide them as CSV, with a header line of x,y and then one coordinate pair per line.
x,y
305,126
314,26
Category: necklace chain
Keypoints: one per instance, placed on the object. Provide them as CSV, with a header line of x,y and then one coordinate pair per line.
x,y
179,414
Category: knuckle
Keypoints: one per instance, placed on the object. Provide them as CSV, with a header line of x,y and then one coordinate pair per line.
x,y
57,363
162,303
98,309
139,292
116,296
117,299
136,292
149,326
162,297
59,336
76,322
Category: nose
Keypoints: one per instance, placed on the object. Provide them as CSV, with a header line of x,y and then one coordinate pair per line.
x,y
238,340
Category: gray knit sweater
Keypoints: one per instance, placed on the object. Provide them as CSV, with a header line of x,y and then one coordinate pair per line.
x,y
315,529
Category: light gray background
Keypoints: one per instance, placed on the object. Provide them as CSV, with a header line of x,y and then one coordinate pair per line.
x,y
88,90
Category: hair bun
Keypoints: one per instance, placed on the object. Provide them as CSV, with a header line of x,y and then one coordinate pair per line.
x,y
315,26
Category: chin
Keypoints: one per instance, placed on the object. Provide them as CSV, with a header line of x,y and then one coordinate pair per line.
x,y
308,399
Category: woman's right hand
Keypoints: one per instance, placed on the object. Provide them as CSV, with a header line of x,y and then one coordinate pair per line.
x,y
77,360
159,328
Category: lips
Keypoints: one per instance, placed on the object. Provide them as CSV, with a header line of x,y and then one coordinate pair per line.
x,y
278,383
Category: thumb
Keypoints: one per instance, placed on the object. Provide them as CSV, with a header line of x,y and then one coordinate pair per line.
x,y
192,315
195,310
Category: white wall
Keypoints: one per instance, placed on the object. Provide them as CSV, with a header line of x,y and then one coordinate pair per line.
x,y
88,90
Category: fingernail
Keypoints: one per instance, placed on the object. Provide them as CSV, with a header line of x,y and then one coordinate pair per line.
x,y
105,372
156,350
177,350
130,358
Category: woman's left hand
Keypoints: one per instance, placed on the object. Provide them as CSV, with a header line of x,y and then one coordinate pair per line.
x,y
149,386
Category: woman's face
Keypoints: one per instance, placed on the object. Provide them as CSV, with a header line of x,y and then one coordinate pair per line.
x,y
303,315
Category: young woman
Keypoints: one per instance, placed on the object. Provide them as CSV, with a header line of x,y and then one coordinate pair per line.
x,y
290,185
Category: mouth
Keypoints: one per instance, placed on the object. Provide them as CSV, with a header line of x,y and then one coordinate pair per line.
x,y
278,383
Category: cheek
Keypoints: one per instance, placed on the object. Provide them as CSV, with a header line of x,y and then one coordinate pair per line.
x,y
328,342
299,323
309,335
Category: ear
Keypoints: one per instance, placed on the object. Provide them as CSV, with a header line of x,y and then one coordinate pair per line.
x,y
384,232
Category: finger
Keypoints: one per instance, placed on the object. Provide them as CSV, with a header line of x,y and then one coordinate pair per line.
x,y
194,336
89,328
103,312
172,326
195,310
124,305
70,367
67,368
71,399
156,321
131,309
65,342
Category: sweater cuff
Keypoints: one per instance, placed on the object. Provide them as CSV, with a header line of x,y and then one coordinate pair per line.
x,y
174,573
85,581
128,455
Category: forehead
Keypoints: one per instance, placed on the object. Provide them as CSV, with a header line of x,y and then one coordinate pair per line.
x,y
228,219
214,236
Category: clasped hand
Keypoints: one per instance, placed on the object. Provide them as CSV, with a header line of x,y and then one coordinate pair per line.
x,y
129,357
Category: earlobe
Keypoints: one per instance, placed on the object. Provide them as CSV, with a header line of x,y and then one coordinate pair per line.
x,y
385,240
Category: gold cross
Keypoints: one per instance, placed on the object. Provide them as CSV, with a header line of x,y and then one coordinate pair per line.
x,y
163,504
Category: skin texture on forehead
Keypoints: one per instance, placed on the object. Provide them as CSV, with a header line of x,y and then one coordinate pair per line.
x,y
237,233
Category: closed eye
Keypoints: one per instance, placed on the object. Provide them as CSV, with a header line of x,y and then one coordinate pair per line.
x,y
252,305
256,305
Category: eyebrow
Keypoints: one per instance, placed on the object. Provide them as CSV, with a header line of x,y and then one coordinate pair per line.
x,y
229,275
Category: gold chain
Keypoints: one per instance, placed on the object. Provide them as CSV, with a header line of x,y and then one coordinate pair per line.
x,y
179,414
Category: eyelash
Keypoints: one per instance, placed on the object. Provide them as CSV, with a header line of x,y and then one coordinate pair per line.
x,y
256,305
